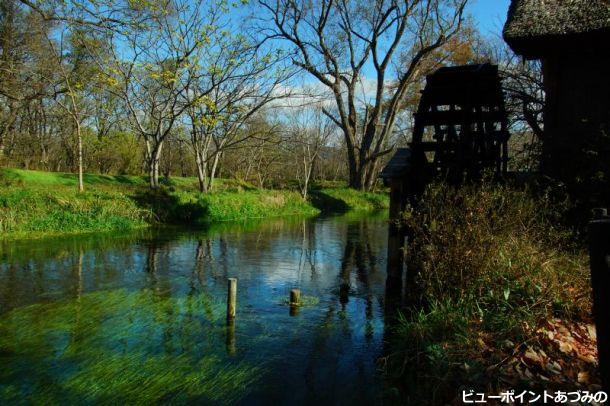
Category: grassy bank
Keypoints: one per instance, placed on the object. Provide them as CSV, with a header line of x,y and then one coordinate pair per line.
x,y
34,204
502,297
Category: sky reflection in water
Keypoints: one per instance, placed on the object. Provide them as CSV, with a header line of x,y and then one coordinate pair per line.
x,y
141,317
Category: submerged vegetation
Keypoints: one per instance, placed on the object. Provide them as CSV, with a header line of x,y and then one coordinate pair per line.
x,y
492,270
36,203
140,318
103,347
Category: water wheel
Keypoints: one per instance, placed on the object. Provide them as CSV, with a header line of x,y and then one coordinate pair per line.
x,y
461,124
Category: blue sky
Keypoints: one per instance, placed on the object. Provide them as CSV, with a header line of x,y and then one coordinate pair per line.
x,y
489,15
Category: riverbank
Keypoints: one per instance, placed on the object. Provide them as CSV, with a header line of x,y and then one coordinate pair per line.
x,y
503,297
36,204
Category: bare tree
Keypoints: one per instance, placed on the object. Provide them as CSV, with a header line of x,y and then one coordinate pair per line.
x,y
152,73
308,133
235,79
524,96
97,14
218,124
23,67
336,41
74,74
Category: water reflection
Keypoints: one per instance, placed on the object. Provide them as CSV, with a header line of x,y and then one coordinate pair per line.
x,y
147,309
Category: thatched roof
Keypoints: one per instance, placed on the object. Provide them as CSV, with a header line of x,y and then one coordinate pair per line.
x,y
534,25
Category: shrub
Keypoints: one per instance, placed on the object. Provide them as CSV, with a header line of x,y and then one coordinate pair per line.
x,y
496,245
492,262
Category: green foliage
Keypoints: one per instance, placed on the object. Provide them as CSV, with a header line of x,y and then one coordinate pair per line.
x,y
117,152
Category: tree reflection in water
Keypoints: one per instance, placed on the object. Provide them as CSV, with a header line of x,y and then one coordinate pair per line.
x,y
160,298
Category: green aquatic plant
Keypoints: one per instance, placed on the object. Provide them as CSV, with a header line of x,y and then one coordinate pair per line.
x,y
304,301
120,346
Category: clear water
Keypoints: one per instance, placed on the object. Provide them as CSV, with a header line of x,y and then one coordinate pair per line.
x,y
140,318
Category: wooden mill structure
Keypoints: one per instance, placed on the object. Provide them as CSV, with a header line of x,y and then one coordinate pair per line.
x,y
460,131
571,39
461,125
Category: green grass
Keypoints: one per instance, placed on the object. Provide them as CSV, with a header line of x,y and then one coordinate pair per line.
x,y
179,206
348,199
29,178
254,204
26,212
36,204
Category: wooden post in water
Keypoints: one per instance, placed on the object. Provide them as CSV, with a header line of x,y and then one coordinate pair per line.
x,y
295,300
599,251
232,299
295,296
230,337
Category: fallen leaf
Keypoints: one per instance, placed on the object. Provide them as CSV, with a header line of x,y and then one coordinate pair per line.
x,y
583,377
532,357
591,359
565,347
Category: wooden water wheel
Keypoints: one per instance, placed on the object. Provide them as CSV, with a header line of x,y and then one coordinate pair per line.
x,y
461,124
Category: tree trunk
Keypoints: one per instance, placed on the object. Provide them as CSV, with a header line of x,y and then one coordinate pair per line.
x,y
214,168
371,175
151,174
362,174
200,141
355,182
153,165
182,161
306,177
201,172
81,186
156,172
8,129
1,150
